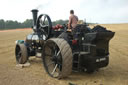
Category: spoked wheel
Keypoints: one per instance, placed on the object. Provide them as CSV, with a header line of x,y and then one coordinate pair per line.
x,y
57,58
21,53
44,24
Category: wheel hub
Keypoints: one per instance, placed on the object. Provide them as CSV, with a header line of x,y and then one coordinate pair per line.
x,y
54,58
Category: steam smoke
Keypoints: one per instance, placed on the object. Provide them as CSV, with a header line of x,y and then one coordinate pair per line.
x,y
44,5
39,7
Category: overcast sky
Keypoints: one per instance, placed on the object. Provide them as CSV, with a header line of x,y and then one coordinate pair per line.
x,y
99,11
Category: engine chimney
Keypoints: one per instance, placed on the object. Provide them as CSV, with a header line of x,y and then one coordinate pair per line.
x,y
34,13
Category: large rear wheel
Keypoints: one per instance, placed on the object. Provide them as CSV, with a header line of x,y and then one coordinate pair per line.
x,y
57,58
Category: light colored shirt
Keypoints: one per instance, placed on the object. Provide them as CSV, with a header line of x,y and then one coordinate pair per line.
x,y
73,19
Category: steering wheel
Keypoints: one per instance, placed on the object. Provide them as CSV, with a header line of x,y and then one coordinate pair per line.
x,y
44,25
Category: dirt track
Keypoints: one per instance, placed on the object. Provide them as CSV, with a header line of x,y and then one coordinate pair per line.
x,y
115,74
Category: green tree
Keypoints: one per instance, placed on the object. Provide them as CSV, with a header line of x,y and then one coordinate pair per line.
x,y
27,23
2,24
60,22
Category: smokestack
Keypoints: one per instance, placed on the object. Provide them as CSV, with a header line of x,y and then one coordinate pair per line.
x,y
34,13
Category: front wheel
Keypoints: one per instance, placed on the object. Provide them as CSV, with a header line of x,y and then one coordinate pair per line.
x,y
21,53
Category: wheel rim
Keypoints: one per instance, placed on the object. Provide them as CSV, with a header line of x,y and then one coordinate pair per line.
x,y
52,59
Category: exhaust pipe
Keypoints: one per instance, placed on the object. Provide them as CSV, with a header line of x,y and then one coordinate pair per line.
x,y
34,13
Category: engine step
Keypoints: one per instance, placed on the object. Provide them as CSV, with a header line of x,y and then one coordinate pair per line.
x,y
81,53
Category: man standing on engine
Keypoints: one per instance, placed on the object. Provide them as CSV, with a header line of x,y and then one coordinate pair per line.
x,y
73,19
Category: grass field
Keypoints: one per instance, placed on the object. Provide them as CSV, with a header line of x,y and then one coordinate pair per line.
x,y
116,73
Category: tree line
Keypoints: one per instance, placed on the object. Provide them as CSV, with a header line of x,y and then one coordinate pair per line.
x,y
10,24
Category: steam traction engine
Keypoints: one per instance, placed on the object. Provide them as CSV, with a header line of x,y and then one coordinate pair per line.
x,y
62,51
